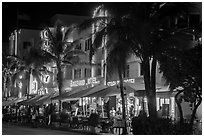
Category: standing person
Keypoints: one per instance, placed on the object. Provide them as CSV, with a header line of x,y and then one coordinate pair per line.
x,y
159,112
50,114
93,121
33,117
112,112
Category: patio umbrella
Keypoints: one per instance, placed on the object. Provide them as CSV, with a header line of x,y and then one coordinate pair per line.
x,y
41,100
50,99
94,90
30,101
80,94
67,94
14,102
111,91
8,102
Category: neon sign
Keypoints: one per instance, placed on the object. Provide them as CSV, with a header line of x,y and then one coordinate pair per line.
x,y
45,37
112,83
46,78
44,34
84,82
34,87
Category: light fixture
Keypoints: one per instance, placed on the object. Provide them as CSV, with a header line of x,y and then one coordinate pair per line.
x,y
20,76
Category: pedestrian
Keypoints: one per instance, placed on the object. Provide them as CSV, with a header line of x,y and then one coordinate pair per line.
x,y
112,112
33,116
159,112
50,114
93,121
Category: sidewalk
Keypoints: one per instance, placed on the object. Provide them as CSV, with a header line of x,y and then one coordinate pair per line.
x,y
63,127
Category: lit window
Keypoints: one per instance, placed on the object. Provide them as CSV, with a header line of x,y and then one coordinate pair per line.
x,y
140,70
87,72
68,74
77,73
98,71
88,43
26,45
78,46
126,72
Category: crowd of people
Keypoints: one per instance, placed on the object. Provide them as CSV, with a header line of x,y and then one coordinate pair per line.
x,y
74,117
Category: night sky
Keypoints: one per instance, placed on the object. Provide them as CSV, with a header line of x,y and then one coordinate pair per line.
x,y
39,13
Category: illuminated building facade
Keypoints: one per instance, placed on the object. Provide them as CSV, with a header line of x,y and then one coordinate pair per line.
x,y
88,76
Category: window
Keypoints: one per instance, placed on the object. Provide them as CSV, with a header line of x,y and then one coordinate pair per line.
x,y
126,72
98,71
88,43
194,20
64,73
77,73
68,74
140,70
87,72
78,46
26,45
182,22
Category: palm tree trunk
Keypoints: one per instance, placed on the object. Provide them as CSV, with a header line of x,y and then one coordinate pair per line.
x,y
146,68
152,95
123,100
194,111
4,86
29,82
179,107
59,80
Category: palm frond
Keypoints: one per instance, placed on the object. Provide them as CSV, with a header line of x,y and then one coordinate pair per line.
x,y
69,31
117,57
89,22
70,45
73,53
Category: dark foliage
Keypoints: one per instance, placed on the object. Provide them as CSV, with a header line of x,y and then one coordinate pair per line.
x,y
159,126
94,120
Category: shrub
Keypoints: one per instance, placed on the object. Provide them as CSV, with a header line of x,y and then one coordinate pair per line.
x,y
94,120
147,126
159,126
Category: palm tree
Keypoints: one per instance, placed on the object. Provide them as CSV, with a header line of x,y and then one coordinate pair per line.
x,y
116,62
183,71
9,69
144,32
33,64
61,51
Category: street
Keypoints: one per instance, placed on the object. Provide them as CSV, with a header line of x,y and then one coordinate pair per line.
x,y
17,130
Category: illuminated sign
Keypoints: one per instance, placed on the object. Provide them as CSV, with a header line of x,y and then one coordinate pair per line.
x,y
172,107
46,78
45,37
77,83
44,34
112,83
84,82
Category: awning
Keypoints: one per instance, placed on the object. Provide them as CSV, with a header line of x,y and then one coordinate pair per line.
x,y
162,91
14,102
95,89
50,99
43,99
30,101
80,93
67,94
8,102
104,91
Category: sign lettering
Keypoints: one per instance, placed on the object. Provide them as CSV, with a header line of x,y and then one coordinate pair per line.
x,y
83,82
46,78
112,83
